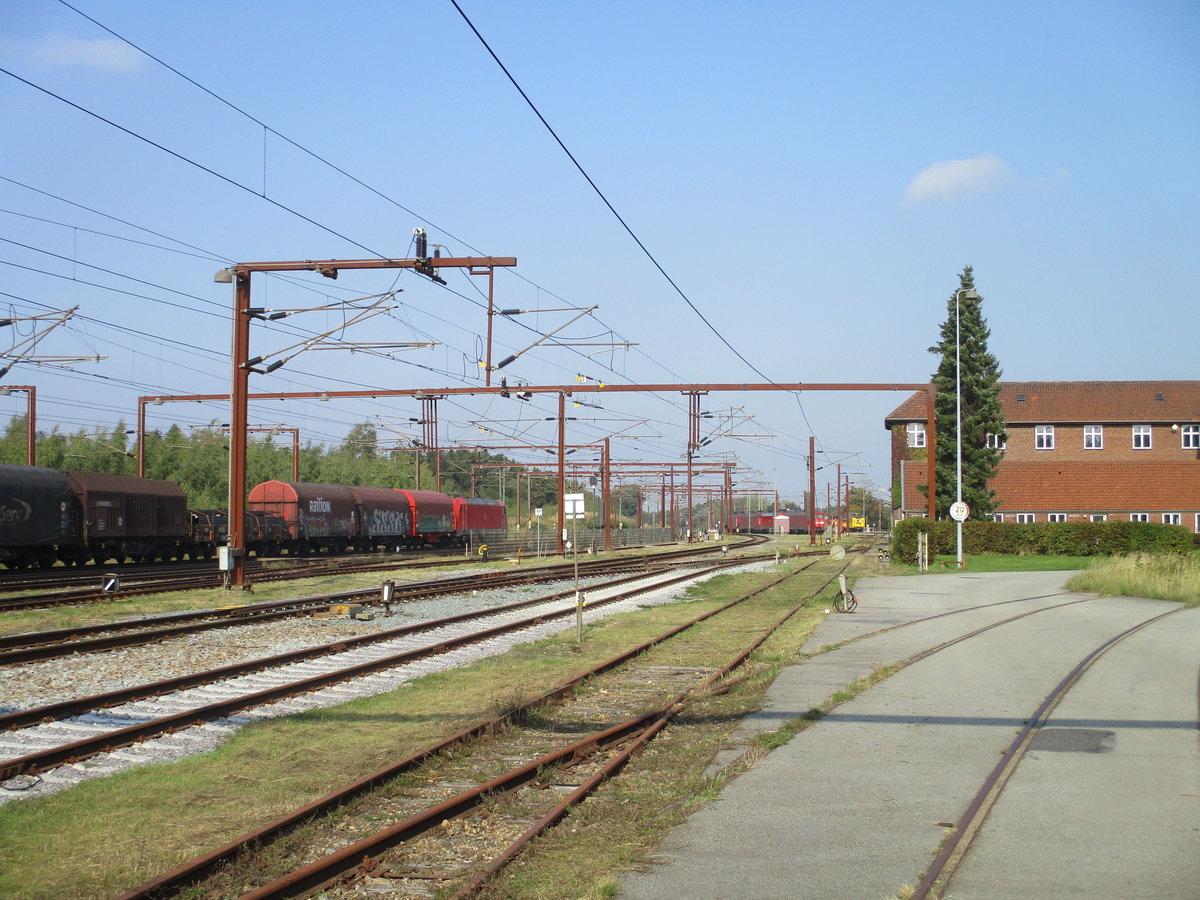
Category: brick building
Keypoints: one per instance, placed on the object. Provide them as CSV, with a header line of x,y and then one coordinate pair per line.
x,y
1076,451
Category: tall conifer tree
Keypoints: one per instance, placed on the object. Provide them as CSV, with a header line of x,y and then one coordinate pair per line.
x,y
982,415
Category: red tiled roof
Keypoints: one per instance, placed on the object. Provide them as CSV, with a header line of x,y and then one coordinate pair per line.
x,y
913,409
1095,402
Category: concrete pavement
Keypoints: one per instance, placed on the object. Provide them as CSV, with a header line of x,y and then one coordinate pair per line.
x,y
1106,804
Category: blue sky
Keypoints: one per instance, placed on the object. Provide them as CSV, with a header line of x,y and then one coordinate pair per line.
x,y
812,176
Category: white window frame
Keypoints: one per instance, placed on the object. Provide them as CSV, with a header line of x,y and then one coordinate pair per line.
x,y
1141,437
994,442
1172,519
1043,437
1197,529
1093,437
1098,517
999,517
1056,517
1189,437
1139,517
916,435
1026,518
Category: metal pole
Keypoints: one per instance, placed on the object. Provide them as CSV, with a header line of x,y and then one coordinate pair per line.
x,y
812,491
562,465
958,529
578,596
606,486
931,455
30,420
491,313
141,435
239,400
841,525
31,427
295,453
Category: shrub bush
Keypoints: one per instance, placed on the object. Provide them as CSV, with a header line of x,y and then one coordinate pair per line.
x,y
1041,538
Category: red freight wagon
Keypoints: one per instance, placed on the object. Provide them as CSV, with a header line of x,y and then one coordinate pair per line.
x,y
478,514
432,515
315,515
124,516
385,516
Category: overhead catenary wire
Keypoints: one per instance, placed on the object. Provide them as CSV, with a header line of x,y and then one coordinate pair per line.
x,y
599,193
269,129
243,187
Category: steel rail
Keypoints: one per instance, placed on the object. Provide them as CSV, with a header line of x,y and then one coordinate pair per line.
x,y
38,646
35,646
69,753
614,766
66,708
204,866
309,569
957,845
493,867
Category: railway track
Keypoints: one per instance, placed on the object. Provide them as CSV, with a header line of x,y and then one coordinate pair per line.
x,y
67,587
43,645
451,829
542,768
122,718
940,873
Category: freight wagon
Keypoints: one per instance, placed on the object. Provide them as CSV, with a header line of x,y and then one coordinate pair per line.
x,y
336,518
37,514
48,516
120,517
477,514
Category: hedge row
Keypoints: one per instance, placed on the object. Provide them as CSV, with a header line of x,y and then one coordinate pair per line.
x,y
1041,538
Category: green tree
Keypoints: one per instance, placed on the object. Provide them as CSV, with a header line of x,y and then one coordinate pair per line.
x,y
981,412
13,445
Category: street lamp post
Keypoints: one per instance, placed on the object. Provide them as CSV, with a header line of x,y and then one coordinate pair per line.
x,y
970,294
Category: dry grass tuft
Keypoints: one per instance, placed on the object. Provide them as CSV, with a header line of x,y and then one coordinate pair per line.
x,y
1158,577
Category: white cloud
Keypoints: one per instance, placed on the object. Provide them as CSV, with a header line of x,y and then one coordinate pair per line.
x,y
105,53
957,178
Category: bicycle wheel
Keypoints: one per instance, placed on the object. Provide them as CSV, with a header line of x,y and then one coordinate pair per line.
x,y
839,602
851,602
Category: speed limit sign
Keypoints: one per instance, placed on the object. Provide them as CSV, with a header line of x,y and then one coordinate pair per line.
x,y
959,511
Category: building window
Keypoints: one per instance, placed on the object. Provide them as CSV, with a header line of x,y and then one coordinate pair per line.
x,y
999,517
916,434
1043,437
1141,437
1098,517
1191,437
1057,517
1139,517
1025,518
995,442
1197,523
1093,437
1171,518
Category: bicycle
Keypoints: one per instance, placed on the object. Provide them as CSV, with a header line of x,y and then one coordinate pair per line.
x,y
845,601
